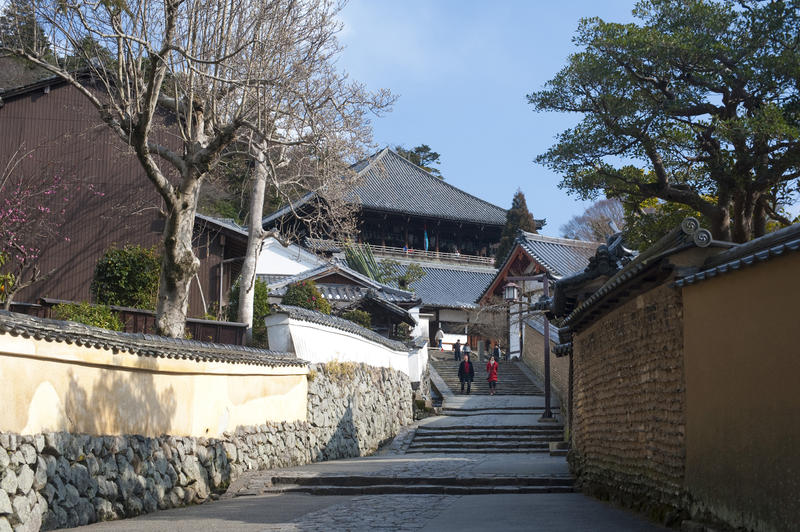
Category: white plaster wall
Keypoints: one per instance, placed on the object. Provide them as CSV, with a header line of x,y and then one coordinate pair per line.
x,y
318,343
417,362
275,259
457,316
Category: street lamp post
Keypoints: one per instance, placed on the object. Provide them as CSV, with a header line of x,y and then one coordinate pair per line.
x,y
511,293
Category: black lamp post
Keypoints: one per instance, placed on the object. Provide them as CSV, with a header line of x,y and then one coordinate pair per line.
x,y
511,294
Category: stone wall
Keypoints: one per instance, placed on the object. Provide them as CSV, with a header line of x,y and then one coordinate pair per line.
x,y
56,480
629,415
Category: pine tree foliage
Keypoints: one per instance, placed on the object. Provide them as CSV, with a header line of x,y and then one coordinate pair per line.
x,y
518,217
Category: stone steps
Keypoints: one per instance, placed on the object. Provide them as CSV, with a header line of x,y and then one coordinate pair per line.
x,y
380,485
420,489
545,437
492,429
512,380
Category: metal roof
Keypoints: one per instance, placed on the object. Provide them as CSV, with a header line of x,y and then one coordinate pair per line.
x,y
138,343
559,256
446,287
226,223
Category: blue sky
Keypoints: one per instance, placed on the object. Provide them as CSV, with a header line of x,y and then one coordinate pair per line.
x,y
461,70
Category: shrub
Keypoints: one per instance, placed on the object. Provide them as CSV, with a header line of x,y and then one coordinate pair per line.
x,y
260,311
96,315
306,294
127,277
402,332
360,317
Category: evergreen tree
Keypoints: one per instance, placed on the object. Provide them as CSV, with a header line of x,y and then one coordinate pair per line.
x,y
20,29
423,157
518,217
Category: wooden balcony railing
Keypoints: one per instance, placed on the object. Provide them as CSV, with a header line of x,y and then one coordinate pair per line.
x,y
411,254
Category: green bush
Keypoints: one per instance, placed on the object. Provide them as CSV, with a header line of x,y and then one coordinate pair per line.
x,y
306,294
402,332
260,311
127,277
96,315
361,317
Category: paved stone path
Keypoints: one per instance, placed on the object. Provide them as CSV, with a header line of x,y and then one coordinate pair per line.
x,y
377,492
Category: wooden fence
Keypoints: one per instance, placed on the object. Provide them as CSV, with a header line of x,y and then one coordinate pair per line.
x,y
143,321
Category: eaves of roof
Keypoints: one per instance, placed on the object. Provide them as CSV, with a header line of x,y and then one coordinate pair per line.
x,y
224,223
140,344
558,256
689,234
751,253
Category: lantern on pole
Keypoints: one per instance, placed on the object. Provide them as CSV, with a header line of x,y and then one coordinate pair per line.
x,y
510,292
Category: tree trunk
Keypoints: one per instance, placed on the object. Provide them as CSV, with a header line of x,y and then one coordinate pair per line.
x,y
744,206
255,235
178,266
721,223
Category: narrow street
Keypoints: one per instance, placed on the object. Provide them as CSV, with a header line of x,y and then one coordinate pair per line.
x,y
483,465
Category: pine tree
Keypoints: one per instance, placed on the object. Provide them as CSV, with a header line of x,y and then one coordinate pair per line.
x,y
518,217
20,29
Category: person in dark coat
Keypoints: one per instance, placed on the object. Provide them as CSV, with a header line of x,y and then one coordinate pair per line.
x,y
457,350
491,369
466,372
496,352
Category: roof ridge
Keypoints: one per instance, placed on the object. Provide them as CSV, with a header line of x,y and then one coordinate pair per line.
x,y
560,240
431,176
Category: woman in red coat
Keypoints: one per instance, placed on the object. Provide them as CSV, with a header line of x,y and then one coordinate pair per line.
x,y
491,369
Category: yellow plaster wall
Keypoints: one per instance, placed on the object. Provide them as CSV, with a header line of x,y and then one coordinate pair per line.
x,y
53,386
742,359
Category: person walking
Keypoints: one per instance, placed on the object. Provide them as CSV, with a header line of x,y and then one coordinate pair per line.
x,y
496,352
491,368
466,372
457,350
439,337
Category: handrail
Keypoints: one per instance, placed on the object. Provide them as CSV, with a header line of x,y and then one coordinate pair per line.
x,y
391,251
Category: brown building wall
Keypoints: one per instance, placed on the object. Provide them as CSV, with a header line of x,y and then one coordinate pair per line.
x,y
533,357
742,357
64,135
628,419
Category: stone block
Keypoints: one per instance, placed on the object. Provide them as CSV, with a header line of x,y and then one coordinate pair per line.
x,y
5,504
8,483
24,479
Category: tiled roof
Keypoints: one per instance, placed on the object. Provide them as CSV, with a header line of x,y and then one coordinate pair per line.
x,y
537,323
345,292
140,344
451,287
391,183
336,322
559,256
754,252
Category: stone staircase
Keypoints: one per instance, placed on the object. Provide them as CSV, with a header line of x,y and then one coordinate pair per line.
x,y
512,380
485,439
412,485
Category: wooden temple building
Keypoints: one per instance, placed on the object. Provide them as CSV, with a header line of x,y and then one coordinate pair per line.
x,y
404,208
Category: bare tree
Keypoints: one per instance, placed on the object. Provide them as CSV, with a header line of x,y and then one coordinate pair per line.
x,y
200,65
303,124
602,219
